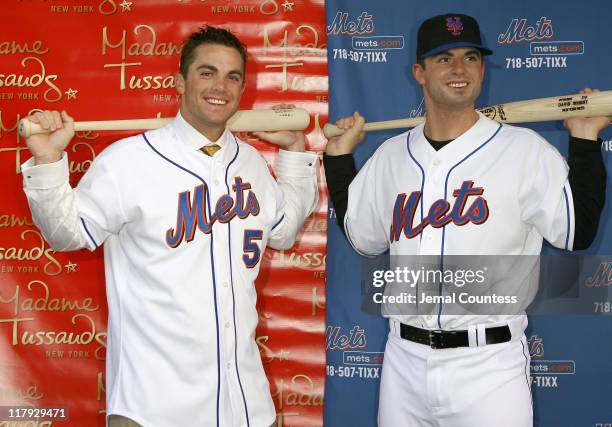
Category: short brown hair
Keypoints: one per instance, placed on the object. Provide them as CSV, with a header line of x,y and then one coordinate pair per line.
x,y
209,35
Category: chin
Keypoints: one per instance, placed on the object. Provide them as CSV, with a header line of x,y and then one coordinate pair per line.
x,y
217,118
462,98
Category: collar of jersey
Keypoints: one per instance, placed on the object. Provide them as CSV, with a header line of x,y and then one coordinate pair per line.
x,y
192,138
459,148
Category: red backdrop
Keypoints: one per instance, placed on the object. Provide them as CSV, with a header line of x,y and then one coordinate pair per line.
x,y
115,59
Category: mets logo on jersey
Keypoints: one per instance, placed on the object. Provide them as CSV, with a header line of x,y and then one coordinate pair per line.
x,y
440,213
192,212
454,26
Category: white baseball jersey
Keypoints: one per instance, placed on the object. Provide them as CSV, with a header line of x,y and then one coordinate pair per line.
x,y
183,237
496,189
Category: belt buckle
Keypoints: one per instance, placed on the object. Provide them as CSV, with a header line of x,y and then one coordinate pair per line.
x,y
436,339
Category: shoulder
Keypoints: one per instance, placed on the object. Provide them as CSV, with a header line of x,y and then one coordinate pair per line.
x,y
123,154
249,153
136,144
528,141
393,146
125,146
245,148
517,132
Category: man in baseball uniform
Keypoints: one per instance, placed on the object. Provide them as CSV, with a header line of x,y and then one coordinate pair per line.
x,y
184,213
462,184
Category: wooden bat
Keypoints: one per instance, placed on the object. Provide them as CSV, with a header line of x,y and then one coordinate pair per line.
x,y
242,121
533,110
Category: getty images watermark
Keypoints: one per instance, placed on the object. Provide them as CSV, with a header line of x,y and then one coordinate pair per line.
x,y
487,284
429,285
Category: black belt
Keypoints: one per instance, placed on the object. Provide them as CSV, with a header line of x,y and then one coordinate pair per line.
x,y
437,338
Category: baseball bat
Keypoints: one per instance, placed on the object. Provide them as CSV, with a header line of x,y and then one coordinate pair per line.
x,y
533,110
241,121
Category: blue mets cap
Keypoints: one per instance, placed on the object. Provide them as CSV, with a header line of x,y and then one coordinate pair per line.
x,y
448,31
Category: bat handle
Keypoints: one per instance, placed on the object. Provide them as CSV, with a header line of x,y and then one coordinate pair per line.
x,y
27,128
330,131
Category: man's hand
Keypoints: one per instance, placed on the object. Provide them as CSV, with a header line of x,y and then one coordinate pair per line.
x,y
353,135
48,147
286,139
586,127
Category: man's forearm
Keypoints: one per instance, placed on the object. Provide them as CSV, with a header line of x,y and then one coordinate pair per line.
x,y
587,178
53,205
339,171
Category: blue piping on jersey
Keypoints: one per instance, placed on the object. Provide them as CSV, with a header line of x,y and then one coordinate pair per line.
x,y
229,247
212,263
278,222
526,374
350,239
567,210
422,177
445,194
88,233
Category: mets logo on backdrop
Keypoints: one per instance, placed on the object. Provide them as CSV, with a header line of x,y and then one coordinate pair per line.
x,y
454,25
344,24
544,51
356,362
365,46
536,347
546,373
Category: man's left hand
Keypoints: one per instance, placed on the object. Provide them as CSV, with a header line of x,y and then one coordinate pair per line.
x,y
286,139
586,127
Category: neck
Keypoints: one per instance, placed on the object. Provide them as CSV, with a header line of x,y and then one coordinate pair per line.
x,y
211,132
444,124
211,135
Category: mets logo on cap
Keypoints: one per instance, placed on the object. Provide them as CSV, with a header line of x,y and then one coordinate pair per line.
x,y
454,25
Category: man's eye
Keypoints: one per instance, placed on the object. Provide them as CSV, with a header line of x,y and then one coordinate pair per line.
x,y
206,74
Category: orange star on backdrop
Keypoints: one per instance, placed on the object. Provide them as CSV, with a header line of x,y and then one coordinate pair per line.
x,y
70,267
288,6
126,6
72,93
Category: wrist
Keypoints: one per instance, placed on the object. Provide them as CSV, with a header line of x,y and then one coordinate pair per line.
x,y
584,133
333,150
298,146
47,158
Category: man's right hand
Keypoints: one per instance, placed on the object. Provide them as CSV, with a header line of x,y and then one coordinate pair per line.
x,y
48,147
353,135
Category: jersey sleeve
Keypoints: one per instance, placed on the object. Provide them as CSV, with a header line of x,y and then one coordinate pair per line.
x,y
364,221
68,218
545,197
296,195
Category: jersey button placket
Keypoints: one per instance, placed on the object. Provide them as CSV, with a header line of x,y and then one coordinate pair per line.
x,y
433,189
224,296
436,171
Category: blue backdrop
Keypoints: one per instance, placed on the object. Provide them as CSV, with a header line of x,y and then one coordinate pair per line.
x,y
541,49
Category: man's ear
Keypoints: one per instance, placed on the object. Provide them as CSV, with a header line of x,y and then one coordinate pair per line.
x,y
179,80
417,73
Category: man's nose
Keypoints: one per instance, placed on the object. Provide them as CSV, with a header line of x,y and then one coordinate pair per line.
x,y
219,83
458,66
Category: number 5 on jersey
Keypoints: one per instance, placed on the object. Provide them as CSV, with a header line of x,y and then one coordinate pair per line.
x,y
252,252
